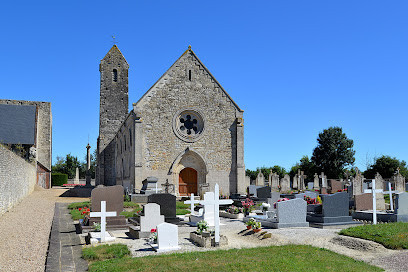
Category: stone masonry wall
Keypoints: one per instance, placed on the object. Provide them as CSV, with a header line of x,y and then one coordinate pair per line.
x,y
44,129
188,85
17,179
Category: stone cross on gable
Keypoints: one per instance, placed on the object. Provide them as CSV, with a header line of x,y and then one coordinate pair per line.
x,y
103,214
216,202
374,191
192,202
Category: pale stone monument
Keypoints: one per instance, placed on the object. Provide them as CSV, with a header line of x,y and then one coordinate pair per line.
x,y
260,179
316,185
76,180
285,183
358,183
275,182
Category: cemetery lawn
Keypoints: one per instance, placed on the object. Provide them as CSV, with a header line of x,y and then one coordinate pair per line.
x,y
76,214
390,235
182,208
273,258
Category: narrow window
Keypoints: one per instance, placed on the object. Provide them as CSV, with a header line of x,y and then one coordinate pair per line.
x,y
130,137
124,138
115,75
189,75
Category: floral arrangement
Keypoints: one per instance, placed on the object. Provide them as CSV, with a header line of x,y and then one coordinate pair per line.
x,y
84,211
342,190
234,210
223,196
319,199
97,226
247,204
153,236
257,225
280,200
250,222
265,206
310,200
202,226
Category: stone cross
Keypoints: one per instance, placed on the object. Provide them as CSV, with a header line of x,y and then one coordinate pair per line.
x,y
374,191
88,165
216,202
167,185
324,181
103,214
192,202
316,185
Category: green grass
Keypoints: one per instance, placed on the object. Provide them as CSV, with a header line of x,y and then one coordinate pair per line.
x,y
77,205
130,204
274,258
76,214
128,214
391,235
105,252
181,205
182,211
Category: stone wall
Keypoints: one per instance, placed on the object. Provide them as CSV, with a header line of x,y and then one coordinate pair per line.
x,y
17,179
44,129
188,85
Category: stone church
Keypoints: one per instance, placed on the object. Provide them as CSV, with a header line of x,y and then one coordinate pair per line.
x,y
185,129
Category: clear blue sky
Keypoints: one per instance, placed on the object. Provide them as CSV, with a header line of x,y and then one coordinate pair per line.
x,y
295,67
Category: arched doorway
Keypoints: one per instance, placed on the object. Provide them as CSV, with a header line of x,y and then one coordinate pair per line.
x,y
188,181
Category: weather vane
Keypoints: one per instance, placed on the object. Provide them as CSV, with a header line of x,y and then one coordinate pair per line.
x,y
114,39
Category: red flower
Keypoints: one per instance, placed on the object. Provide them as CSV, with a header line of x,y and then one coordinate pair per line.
x,y
80,209
153,230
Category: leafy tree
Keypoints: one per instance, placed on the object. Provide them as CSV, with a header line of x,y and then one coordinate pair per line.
x,y
305,165
265,171
67,165
281,171
334,152
386,166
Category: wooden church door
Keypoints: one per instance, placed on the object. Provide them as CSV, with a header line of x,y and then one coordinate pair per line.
x,y
188,181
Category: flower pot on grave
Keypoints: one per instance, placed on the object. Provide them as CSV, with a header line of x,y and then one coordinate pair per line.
x,y
257,230
249,227
206,234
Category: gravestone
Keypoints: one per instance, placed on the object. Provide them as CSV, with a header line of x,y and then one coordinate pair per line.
x,y
252,190
399,181
150,186
316,185
363,202
204,188
358,183
336,185
167,204
76,180
288,214
306,193
103,214
275,182
207,214
295,182
113,195
285,183
192,201
148,221
263,193
167,237
275,196
379,182
260,179
310,185
401,204
335,212
323,186
301,177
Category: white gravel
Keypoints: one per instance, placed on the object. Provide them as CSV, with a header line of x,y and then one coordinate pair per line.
x,y
25,229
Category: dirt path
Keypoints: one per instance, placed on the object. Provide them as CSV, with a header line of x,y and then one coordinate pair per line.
x,y
25,229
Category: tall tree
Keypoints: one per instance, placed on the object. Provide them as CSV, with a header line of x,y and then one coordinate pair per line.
x,y
386,166
333,152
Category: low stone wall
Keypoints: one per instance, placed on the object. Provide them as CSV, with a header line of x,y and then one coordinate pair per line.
x,y
17,179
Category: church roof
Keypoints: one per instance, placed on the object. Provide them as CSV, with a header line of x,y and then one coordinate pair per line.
x,y
189,50
17,124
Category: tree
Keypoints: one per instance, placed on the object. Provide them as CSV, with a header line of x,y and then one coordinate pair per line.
x,y
386,166
334,152
305,165
265,171
67,165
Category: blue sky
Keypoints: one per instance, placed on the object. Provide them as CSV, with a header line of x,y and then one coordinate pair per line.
x,y
295,67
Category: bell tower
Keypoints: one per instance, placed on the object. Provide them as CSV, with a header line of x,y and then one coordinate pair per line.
x,y
113,109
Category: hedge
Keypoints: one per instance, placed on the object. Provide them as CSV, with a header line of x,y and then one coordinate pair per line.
x,y
57,179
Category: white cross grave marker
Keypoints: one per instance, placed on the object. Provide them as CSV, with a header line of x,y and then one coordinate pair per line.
x,y
374,191
103,214
192,202
216,202
390,193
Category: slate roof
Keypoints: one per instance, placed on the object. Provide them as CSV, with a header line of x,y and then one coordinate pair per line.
x,y
17,124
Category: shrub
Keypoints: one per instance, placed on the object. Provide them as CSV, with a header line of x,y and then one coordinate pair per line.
x,y
57,179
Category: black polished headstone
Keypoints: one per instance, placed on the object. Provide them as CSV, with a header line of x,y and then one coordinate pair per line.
x,y
263,192
167,204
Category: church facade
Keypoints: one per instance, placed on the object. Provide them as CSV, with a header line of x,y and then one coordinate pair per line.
x,y
185,129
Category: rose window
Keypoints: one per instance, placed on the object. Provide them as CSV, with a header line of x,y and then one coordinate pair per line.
x,y
188,125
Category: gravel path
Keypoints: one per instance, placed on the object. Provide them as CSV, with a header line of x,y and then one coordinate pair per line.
x,y
25,229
